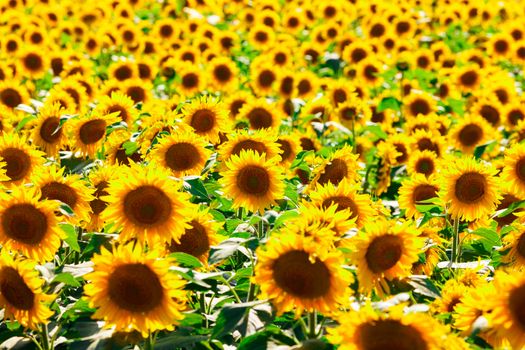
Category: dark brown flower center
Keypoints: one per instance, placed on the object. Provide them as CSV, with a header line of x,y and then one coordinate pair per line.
x,y
296,274
343,203
514,116
266,78
92,131
33,62
419,106
123,73
15,290
203,120
190,80
222,73
470,135
18,163
501,46
470,187
253,180
403,153
425,166
147,206
194,241
182,156
24,223
390,334
469,78
260,118
123,112
136,93
62,192
97,204
506,201
520,169
517,306
383,253
334,172
423,193
10,97
245,145
490,114
50,130
286,149
135,288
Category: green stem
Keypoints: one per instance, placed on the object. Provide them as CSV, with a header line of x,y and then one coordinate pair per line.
x,y
240,213
312,325
45,338
202,305
455,243
227,283
354,141
148,343
79,238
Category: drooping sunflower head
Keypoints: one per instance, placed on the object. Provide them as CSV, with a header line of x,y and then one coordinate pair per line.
x,y
99,178
146,204
383,251
120,150
297,276
415,191
21,292
252,181
29,225
182,153
207,117
88,132
469,189
21,159
429,140
134,290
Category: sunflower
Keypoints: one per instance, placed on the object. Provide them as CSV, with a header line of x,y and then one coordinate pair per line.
x,y
345,196
223,73
118,102
259,141
507,308
99,179
469,188
513,113
88,132
368,329
29,225
514,243
12,94
415,190
134,290
423,162
199,237
429,140
514,169
63,99
123,70
183,153
297,276
419,103
341,165
499,46
260,114
46,131
384,251
191,79
307,84
115,148
207,117
252,181
75,90
264,77
338,222
146,204
490,108
352,113
451,295
21,160
289,147
470,132
138,90
261,37
468,78
32,62
21,292
508,198
432,251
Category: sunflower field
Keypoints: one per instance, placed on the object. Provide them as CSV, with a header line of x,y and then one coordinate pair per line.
x,y
262,174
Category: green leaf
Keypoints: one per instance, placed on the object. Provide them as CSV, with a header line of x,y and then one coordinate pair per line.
x,y
176,341
389,103
195,186
130,147
377,131
457,106
226,248
478,152
284,217
66,278
510,208
71,236
491,236
424,286
24,121
246,318
185,259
